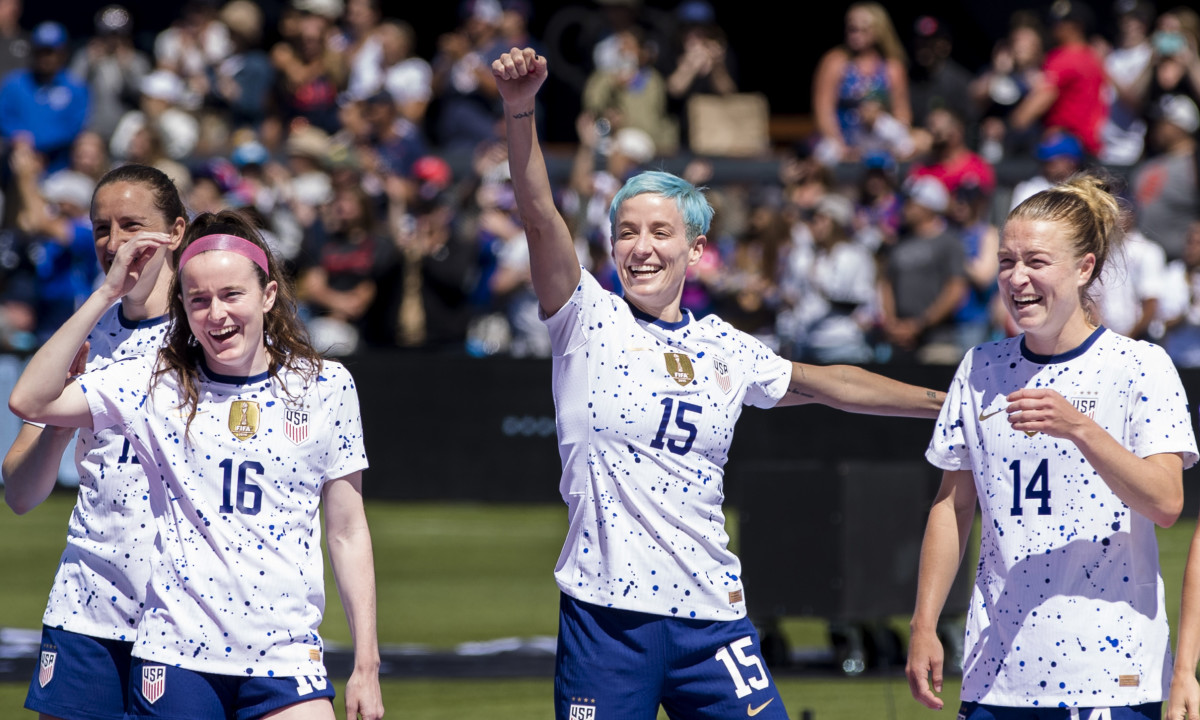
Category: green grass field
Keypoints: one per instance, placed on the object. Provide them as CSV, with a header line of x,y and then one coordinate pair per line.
x,y
449,574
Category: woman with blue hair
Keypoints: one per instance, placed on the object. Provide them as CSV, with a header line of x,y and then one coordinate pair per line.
x,y
652,609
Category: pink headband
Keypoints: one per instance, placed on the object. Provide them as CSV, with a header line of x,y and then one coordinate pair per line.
x,y
228,243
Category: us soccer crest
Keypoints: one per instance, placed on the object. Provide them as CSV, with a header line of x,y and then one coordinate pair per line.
x,y
1085,403
243,419
154,682
582,711
295,426
46,667
722,369
679,367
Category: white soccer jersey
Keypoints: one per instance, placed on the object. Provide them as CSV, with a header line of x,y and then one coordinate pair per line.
x,y
101,580
238,586
1067,606
645,413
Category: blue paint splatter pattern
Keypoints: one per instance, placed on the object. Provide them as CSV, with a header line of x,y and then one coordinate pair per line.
x,y
645,413
100,585
1067,607
237,587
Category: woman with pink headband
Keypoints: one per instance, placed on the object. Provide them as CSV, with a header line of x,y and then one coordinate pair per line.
x,y
244,431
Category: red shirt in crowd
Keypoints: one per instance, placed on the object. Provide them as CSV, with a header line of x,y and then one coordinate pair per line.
x,y
1080,109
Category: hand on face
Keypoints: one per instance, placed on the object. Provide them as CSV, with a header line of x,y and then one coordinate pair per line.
x,y
132,261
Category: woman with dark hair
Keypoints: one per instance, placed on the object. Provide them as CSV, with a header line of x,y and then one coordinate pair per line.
x,y
243,432
99,588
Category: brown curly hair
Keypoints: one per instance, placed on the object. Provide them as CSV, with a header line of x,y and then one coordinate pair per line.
x,y
287,342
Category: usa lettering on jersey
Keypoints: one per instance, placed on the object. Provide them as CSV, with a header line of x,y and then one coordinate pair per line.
x,y
46,667
1085,404
722,369
582,712
295,426
154,682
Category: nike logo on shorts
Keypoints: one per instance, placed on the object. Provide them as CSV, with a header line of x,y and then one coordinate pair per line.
x,y
752,711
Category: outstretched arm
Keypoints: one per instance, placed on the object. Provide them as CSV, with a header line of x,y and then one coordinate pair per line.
x,y
552,259
350,555
946,535
853,389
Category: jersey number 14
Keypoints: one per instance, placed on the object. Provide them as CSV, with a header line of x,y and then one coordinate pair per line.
x,y
1038,487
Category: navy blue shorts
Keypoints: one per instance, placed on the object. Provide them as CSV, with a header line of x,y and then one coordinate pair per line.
x,y
79,676
975,711
163,691
623,664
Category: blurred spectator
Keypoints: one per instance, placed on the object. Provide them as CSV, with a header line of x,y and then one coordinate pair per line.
x,y
1070,95
937,81
923,281
54,214
1180,303
880,207
194,43
112,68
309,73
949,159
700,61
1174,68
826,286
408,78
1131,284
1059,155
43,100
1124,132
239,87
306,184
359,39
343,258
747,292
431,288
510,285
1165,185
395,142
1015,69
14,41
870,64
158,110
466,108
89,156
969,211
633,94
514,26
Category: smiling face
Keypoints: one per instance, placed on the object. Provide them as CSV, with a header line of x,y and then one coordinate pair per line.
x,y
652,254
1040,283
121,210
225,307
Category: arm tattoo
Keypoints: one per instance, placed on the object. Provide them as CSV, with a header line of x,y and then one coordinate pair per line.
x,y
525,114
931,395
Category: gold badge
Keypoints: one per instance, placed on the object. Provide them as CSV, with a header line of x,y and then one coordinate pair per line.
x,y
243,419
735,597
1129,680
679,367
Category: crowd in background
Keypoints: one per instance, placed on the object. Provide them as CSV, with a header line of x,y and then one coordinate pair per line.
x,y
875,243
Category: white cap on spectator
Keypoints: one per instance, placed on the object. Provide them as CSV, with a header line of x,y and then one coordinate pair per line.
x,y
163,85
308,141
331,9
837,208
635,144
68,186
1180,111
929,192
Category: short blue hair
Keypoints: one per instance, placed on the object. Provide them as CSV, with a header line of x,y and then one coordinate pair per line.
x,y
693,205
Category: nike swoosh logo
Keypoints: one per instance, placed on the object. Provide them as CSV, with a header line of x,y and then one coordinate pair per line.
x,y
752,711
983,417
